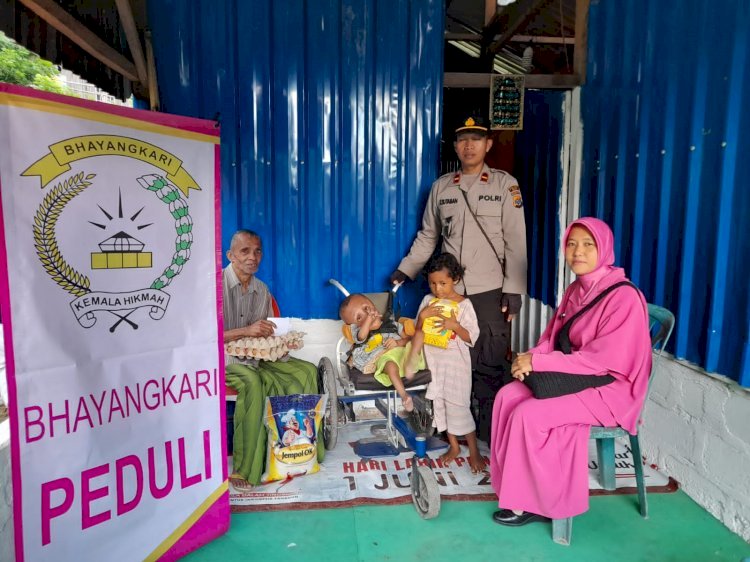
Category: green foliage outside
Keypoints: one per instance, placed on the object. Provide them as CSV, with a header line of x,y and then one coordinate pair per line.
x,y
22,67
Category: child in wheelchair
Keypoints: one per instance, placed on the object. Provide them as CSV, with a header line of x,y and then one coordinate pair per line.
x,y
380,345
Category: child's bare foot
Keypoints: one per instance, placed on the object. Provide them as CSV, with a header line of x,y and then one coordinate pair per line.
x,y
476,462
450,455
408,403
239,483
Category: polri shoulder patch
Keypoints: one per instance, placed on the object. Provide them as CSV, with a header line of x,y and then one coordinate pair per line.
x,y
517,201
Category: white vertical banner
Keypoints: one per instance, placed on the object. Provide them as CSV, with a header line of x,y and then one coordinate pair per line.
x,y
111,308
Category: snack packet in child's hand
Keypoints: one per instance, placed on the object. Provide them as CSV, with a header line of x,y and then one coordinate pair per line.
x,y
435,336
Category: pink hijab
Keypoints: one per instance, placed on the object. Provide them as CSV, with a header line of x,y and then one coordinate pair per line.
x,y
612,337
589,285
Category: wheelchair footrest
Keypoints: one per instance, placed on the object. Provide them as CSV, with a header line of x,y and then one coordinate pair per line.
x,y
372,447
375,449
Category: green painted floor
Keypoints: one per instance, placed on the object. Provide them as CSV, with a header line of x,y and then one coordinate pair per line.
x,y
678,529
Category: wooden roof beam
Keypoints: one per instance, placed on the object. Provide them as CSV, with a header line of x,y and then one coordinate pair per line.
x,y
534,39
57,17
536,81
134,40
542,40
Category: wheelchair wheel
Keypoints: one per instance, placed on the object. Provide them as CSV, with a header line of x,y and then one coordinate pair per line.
x,y
327,385
425,492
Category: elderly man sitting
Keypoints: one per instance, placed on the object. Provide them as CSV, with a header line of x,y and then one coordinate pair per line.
x,y
247,305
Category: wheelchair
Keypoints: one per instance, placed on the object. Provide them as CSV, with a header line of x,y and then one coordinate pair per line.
x,y
344,385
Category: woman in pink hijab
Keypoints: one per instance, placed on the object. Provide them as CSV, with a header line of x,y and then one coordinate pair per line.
x,y
539,447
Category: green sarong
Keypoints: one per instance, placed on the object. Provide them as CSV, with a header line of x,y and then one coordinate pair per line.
x,y
253,385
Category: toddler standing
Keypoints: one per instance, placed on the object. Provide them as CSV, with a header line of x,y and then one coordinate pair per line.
x,y
450,389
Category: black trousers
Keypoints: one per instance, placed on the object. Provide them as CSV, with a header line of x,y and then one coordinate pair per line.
x,y
489,357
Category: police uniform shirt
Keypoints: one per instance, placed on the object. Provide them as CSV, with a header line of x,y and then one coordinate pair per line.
x,y
496,201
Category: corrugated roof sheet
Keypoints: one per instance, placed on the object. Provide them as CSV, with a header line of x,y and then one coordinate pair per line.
x,y
554,19
506,62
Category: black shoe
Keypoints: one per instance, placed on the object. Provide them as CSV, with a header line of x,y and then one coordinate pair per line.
x,y
507,517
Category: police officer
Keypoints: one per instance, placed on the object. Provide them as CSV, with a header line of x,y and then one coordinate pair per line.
x,y
478,212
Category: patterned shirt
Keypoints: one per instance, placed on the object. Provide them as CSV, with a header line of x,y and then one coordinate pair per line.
x,y
364,353
242,309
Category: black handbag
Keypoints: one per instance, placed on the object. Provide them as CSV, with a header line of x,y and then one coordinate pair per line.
x,y
550,384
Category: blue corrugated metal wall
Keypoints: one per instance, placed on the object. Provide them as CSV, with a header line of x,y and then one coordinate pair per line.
x,y
330,119
538,171
667,162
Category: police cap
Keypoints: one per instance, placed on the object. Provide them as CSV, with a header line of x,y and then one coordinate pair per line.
x,y
471,124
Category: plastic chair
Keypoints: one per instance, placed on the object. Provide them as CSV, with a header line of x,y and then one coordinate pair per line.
x,y
661,323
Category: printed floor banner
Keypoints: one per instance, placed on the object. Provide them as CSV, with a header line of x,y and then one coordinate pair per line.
x,y
111,309
347,480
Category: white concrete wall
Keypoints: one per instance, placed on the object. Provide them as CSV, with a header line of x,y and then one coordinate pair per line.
x,y
321,337
697,429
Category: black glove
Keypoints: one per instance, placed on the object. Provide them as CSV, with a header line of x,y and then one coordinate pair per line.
x,y
398,276
511,303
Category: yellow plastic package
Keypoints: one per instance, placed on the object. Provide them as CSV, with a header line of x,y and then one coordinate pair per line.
x,y
293,425
435,336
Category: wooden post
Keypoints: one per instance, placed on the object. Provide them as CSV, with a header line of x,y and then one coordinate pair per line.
x,y
581,45
134,41
153,89
490,7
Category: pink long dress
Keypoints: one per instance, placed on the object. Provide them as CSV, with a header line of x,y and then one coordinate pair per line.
x,y
539,448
